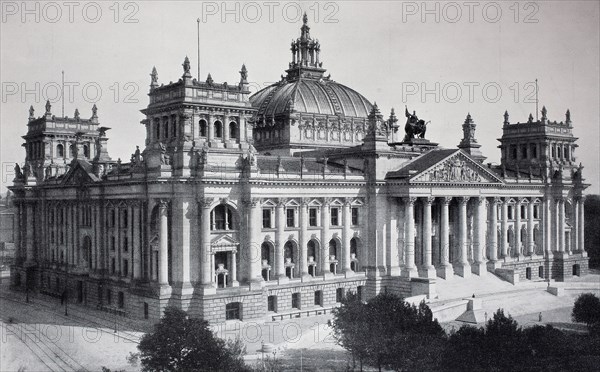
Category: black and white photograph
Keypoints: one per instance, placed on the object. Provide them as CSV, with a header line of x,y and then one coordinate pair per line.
x,y
265,186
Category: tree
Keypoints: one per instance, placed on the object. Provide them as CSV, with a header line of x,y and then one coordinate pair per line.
x,y
586,309
388,332
181,343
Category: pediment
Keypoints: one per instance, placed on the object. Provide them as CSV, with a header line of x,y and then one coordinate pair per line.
x,y
224,241
77,176
457,168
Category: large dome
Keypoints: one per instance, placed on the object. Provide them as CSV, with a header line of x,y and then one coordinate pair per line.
x,y
322,97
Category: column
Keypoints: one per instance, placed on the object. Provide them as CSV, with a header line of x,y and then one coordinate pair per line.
x,y
137,256
347,235
574,247
254,228
210,128
30,234
325,221
518,247
303,268
445,270
17,232
479,233
226,127
163,271
561,224
428,269
233,270
206,269
280,241
493,233
409,231
188,209
504,235
464,268
530,225
581,226
242,128
547,227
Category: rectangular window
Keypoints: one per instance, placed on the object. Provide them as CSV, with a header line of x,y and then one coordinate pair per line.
x,y
112,243
124,221
146,310
510,212
536,211
318,298
359,292
125,267
335,216
312,217
108,296
339,294
296,300
125,243
113,265
523,212
354,216
121,300
266,218
290,217
272,303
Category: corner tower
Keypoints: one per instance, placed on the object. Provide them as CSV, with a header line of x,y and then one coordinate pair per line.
x,y
538,147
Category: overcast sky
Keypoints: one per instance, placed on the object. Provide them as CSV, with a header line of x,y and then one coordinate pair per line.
x,y
442,59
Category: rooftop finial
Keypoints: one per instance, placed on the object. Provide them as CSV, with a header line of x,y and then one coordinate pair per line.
x,y
31,113
153,78
506,122
305,19
544,114
186,68
568,117
243,74
209,80
48,107
94,112
76,114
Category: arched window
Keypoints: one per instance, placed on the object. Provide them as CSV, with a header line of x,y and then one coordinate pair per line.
x,y
86,249
311,250
333,248
156,129
86,151
174,126
60,151
353,247
165,127
72,151
202,125
218,129
233,133
222,218
288,251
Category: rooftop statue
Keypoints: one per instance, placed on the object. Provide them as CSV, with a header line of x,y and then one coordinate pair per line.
x,y
415,127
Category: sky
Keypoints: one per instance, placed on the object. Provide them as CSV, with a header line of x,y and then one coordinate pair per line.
x,y
441,59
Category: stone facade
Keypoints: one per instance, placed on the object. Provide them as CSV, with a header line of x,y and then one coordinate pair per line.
x,y
203,219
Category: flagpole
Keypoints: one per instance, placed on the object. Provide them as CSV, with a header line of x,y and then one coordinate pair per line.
x,y
198,21
62,93
536,100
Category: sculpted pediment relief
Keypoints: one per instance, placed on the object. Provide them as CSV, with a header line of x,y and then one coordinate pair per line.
x,y
457,169
224,243
77,176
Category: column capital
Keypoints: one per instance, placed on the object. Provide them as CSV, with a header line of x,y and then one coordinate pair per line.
x,y
409,200
347,202
463,200
429,200
162,203
326,201
281,202
205,203
446,200
255,202
480,199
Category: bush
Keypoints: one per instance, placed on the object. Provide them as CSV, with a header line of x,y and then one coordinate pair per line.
x,y
586,309
181,343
